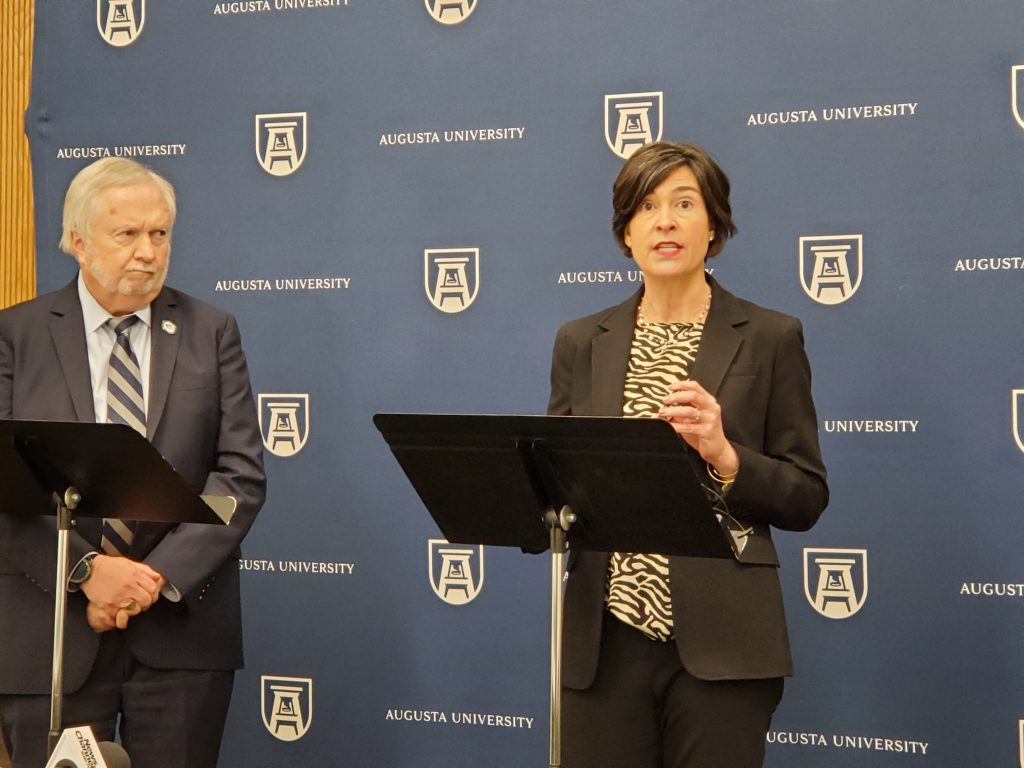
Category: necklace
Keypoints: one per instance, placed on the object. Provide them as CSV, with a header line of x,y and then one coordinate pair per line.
x,y
642,318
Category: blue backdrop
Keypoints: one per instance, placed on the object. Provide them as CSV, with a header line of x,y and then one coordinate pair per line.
x,y
402,200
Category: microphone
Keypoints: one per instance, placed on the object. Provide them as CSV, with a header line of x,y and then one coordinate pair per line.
x,y
78,748
114,755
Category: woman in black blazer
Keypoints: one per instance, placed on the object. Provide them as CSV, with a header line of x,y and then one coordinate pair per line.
x,y
677,662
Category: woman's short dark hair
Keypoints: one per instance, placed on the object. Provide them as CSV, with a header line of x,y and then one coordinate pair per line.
x,y
652,164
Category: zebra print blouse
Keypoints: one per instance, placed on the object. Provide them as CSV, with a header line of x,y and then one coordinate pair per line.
x,y
637,589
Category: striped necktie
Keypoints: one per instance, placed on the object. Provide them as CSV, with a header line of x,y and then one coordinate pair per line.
x,y
125,405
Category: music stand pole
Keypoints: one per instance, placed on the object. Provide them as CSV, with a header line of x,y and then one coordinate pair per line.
x,y
65,506
558,524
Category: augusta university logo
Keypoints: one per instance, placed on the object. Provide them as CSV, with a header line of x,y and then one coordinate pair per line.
x,y
287,706
831,266
1017,93
450,11
836,581
632,120
281,142
1017,415
120,22
456,571
451,277
284,422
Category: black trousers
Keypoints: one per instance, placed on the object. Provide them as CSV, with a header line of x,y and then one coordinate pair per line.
x,y
644,710
165,718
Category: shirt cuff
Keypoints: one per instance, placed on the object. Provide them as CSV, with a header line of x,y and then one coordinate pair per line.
x,y
170,592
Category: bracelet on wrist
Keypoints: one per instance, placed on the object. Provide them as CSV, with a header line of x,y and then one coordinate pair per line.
x,y
723,480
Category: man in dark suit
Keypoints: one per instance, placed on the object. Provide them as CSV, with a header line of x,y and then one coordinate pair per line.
x,y
153,632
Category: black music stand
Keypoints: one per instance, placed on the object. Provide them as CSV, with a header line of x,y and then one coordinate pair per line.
x,y
74,469
539,482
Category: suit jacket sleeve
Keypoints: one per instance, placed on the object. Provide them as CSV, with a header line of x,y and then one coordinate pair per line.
x,y
561,376
191,553
782,481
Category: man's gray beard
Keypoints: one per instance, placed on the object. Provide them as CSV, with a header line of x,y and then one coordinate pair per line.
x,y
124,287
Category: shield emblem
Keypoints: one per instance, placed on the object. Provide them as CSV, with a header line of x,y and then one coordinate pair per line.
x,y
632,120
284,422
456,571
281,142
451,277
836,581
120,22
450,11
831,266
287,706
1018,414
1017,93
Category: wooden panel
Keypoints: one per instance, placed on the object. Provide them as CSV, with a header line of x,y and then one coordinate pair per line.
x,y
17,239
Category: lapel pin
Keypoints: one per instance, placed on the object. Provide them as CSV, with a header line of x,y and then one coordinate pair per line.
x,y
169,327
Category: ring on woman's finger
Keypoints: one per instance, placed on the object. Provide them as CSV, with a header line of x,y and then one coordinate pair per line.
x,y
131,606
697,417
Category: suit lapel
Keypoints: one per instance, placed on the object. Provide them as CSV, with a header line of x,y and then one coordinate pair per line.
x,y
164,339
610,357
610,350
720,341
67,329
